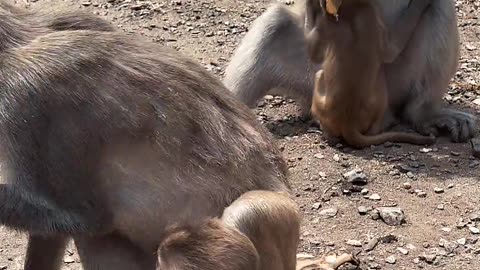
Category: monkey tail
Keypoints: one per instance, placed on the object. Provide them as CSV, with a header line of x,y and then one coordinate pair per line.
x,y
359,140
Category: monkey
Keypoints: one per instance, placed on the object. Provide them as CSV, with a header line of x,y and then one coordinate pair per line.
x,y
272,59
109,139
350,94
260,230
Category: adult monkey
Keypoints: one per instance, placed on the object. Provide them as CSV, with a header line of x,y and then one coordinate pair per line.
x,y
272,58
109,139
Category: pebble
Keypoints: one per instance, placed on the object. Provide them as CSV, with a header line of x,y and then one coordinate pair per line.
x,y
391,260
407,185
475,216
438,190
316,206
356,177
428,258
441,207
330,212
403,251
462,241
364,191
375,214
375,197
319,156
392,216
372,243
420,193
362,210
474,230
68,259
354,243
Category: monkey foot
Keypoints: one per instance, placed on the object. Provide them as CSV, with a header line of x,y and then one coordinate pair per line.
x,y
460,125
331,262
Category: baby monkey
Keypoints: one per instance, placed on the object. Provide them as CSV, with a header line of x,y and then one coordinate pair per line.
x,y
258,231
350,96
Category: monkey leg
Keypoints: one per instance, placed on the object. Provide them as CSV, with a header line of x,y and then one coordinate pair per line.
x,y
429,119
112,252
45,252
419,77
272,58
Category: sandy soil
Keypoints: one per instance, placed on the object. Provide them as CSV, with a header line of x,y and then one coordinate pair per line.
x,y
437,188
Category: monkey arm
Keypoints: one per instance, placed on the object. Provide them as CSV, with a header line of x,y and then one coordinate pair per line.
x,y
399,34
315,45
312,9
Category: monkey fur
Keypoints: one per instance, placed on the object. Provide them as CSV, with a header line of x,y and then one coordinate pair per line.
x,y
260,230
272,59
350,94
109,139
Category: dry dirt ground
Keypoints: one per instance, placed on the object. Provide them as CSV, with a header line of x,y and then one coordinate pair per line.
x,y
438,188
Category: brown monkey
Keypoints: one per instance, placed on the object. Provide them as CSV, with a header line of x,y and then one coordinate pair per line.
x,y
260,230
272,58
109,139
350,96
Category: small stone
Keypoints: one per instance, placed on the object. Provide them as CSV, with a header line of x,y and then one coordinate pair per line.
x,y
474,230
475,217
392,216
403,251
364,191
362,210
410,175
446,229
372,243
68,259
421,193
462,241
407,185
375,214
441,207
429,258
354,243
411,247
450,186
319,156
438,190
268,97
391,260
316,206
356,177
330,212
375,197
336,158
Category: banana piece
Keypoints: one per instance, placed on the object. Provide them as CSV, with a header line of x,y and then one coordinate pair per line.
x,y
333,6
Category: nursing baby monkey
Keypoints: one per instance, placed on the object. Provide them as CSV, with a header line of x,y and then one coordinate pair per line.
x,y
259,231
272,58
109,139
350,96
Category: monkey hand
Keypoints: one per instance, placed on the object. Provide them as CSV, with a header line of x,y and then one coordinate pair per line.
x,y
331,262
460,125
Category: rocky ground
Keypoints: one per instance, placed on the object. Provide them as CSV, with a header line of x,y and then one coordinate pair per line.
x,y
348,197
